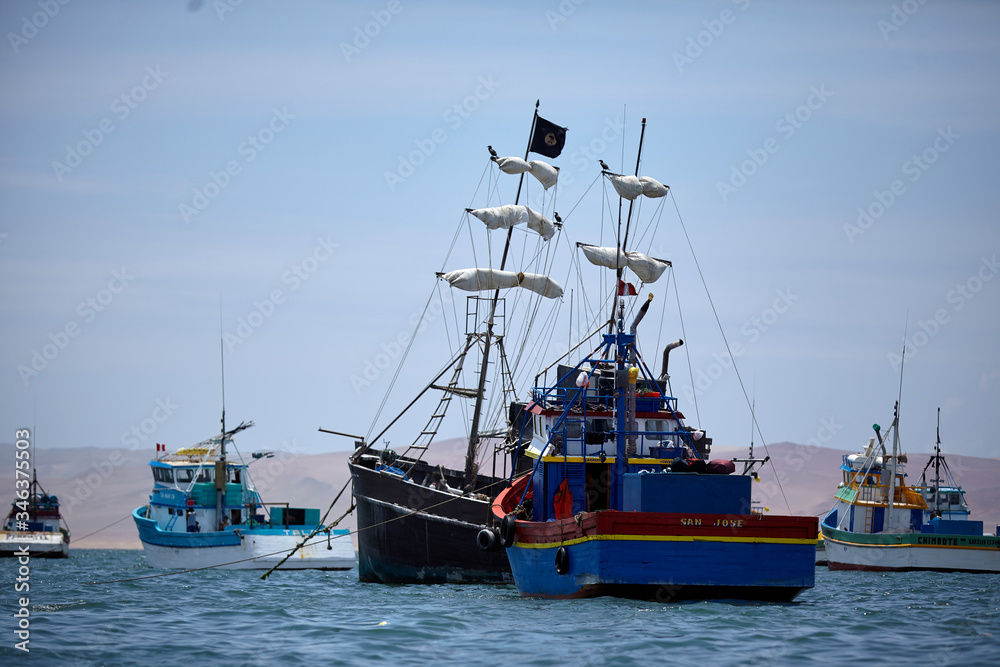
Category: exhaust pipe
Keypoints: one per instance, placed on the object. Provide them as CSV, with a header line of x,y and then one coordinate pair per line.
x,y
666,357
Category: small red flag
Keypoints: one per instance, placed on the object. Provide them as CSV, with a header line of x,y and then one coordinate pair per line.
x,y
626,289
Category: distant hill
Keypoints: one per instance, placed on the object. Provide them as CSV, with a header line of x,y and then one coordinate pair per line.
x,y
97,486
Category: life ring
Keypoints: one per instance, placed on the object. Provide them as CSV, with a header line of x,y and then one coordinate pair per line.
x,y
507,531
562,560
486,539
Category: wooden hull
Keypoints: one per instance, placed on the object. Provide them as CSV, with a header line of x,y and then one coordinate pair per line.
x,y
664,556
413,534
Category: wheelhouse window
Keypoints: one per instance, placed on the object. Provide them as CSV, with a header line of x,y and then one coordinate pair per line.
x,y
184,475
205,475
165,475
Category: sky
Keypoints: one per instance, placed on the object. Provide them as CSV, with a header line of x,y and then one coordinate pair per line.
x,y
281,181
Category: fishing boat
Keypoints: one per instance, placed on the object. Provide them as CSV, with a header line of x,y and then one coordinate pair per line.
x,y
34,525
945,498
419,520
204,511
623,497
881,523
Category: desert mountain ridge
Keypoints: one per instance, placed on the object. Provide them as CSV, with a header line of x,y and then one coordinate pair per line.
x,y
98,488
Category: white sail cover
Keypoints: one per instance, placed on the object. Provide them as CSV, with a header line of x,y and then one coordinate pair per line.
x,y
648,269
546,174
505,217
631,187
512,165
652,188
628,187
479,280
539,284
540,224
610,258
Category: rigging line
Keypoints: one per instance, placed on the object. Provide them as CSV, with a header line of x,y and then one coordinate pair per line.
x,y
657,216
739,377
173,573
447,333
549,327
399,367
687,351
578,201
77,539
318,529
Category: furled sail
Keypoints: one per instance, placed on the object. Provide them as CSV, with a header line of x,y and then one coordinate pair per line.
x,y
512,165
652,188
501,217
630,187
480,280
539,223
508,215
546,174
648,269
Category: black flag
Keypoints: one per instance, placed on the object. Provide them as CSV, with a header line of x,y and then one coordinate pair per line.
x,y
548,139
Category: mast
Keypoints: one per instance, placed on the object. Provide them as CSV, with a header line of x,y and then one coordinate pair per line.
x,y
470,455
221,474
937,469
892,468
624,381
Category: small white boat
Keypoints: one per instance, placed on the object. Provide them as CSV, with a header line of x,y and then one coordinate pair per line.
x,y
34,526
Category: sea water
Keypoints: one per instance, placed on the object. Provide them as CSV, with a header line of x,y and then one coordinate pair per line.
x,y
218,617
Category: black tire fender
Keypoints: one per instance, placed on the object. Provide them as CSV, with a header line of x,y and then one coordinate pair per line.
x,y
486,540
562,560
508,530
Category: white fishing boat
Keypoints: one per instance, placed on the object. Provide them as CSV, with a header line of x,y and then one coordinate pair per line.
x,y
881,523
34,525
204,511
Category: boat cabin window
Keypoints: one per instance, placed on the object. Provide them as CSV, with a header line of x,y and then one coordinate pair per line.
x,y
163,475
656,426
955,498
184,475
205,475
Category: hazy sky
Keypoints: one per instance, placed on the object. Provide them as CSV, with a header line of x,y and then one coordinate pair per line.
x,y
307,164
